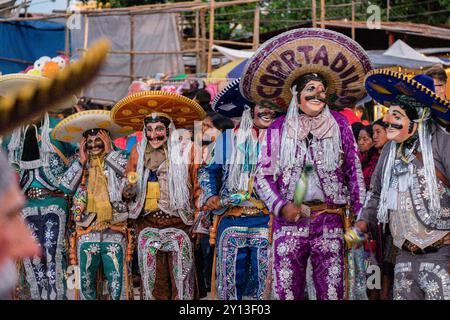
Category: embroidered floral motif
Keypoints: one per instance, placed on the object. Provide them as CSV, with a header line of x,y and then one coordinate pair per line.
x,y
333,246
174,240
231,240
110,248
434,281
71,178
402,284
46,279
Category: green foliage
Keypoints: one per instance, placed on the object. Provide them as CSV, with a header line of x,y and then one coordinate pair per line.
x,y
237,21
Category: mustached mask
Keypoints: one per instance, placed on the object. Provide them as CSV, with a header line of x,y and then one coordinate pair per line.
x,y
312,89
94,144
402,118
156,135
264,115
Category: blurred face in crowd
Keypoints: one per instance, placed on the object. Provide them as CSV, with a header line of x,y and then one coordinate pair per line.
x,y
439,86
16,241
263,116
400,127
365,142
379,136
312,98
156,134
209,131
185,138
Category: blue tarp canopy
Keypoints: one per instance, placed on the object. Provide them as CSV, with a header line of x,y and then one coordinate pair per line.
x,y
28,41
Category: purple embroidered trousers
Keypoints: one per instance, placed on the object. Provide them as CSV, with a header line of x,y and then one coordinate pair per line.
x,y
320,238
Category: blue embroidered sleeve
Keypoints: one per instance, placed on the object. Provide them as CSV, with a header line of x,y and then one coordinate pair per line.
x,y
208,178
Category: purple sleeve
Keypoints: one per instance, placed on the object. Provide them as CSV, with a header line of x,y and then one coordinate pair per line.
x,y
352,166
266,185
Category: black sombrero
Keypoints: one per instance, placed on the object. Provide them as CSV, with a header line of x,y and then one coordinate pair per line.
x,y
230,102
385,85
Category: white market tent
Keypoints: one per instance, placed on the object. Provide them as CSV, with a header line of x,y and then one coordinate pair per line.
x,y
401,54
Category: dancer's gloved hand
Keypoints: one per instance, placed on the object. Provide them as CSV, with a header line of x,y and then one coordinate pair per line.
x,y
290,212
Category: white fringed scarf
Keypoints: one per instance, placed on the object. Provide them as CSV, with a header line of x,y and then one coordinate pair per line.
x,y
239,177
178,175
331,147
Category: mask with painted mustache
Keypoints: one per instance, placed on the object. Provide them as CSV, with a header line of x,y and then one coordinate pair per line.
x,y
266,115
309,98
158,138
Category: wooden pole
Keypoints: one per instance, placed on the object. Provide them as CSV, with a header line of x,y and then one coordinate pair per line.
x,y
322,14
148,52
235,43
353,20
211,33
388,9
203,42
66,40
132,47
86,32
256,27
314,16
86,40
197,42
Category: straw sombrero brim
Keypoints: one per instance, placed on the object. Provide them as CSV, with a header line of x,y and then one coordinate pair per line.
x,y
71,129
230,102
132,110
11,83
385,85
269,75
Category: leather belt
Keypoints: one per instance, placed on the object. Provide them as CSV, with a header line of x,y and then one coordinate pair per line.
x,y
37,193
414,249
245,211
316,209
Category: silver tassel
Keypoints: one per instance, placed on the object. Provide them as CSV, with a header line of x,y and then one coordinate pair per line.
x,y
114,186
428,164
382,214
140,164
332,147
290,139
237,178
178,173
46,146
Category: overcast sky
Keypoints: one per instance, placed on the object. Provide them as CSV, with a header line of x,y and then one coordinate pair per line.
x,y
46,6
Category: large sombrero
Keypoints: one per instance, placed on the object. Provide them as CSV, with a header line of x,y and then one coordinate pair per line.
x,y
385,85
71,129
13,82
230,102
132,110
270,73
